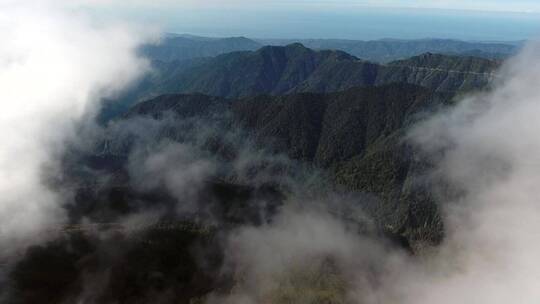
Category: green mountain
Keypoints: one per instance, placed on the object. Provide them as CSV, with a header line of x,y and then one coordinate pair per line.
x,y
444,73
294,68
354,136
278,70
464,64
386,50
272,70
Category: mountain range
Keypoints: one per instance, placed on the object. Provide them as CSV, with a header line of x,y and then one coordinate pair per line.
x,y
226,132
294,68
180,47
386,50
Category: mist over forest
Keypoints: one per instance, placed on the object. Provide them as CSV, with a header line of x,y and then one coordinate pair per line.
x,y
143,166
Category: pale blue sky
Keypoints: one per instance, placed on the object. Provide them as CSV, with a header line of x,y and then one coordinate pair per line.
x,y
350,19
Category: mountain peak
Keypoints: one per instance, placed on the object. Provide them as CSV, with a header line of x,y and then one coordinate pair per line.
x,y
239,38
449,62
296,45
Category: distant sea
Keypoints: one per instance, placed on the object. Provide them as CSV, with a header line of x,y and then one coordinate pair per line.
x,y
363,24
355,23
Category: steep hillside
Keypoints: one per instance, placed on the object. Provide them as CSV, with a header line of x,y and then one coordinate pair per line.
x,y
355,136
273,70
295,68
277,70
463,64
166,185
443,73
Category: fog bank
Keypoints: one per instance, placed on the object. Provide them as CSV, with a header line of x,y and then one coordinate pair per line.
x,y
55,66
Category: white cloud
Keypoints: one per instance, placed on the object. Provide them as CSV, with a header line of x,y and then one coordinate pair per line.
x,y
54,66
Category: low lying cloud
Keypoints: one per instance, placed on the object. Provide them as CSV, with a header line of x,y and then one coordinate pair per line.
x,y
302,257
489,145
55,66
175,168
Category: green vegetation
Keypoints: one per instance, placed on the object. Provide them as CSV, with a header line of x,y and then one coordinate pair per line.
x,y
277,70
356,136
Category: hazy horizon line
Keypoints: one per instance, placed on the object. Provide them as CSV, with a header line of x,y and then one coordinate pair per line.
x,y
218,36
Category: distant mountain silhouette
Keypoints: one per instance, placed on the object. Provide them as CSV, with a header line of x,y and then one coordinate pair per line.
x,y
182,47
386,50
